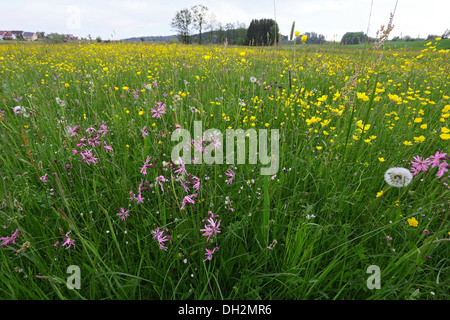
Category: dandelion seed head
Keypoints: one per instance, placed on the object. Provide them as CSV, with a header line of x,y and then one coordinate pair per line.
x,y
398,177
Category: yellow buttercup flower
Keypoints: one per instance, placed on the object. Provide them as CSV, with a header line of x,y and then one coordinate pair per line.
x,y
297,33
303,38
413,222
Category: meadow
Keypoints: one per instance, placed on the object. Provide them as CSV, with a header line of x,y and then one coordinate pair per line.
x,y
87,178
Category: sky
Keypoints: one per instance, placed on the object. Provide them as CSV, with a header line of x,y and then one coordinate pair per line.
x,y
120,19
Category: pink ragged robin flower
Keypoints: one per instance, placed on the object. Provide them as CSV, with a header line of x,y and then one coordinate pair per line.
x,y
181,169
88,157
435,160
231,174
209,253
443,167
103,129
419,165
144,132
158,235
161,109
147,165
188,200
73,131
11,239
123,214
159,180
212,228
68,241
108,148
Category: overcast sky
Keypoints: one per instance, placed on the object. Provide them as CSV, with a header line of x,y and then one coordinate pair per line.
x,y
119,19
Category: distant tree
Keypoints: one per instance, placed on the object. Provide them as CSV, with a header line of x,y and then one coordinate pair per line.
x,y
262,32
181,23
431,37
229,33
99,39
55,38
446,34
274,32
407,38
241,34
354,38
220,33
312,38
210,25
199,18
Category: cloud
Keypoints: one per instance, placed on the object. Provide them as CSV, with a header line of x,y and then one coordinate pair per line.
x,y
135,18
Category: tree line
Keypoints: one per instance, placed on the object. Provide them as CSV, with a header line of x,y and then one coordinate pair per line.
x,y
197,24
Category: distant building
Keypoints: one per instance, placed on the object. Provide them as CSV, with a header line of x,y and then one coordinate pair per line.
x,y
17,33
9,36
2,33
30,36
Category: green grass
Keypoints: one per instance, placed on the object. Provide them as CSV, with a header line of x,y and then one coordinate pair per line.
x,y
321,207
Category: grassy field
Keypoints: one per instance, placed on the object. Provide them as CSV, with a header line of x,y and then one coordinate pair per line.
x,y
88,182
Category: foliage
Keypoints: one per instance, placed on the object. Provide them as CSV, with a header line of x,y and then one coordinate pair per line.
x,y
87,128
262,32
354,38
199,18
181,23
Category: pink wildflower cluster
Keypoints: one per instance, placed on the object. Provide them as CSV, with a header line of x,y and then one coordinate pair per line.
x,y
138,198
230,174
186,180
147,165
162,236
146,186
123,214
67,242
211,227
207,139
437,160
144,132
44,178
11,239
93,140
211,230
161,109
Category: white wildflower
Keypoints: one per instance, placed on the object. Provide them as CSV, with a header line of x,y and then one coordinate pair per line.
x,y
60,102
